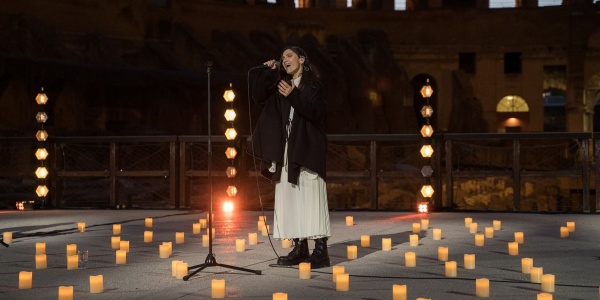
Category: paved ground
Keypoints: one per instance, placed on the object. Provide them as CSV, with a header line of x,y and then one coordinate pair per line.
x,y
575,261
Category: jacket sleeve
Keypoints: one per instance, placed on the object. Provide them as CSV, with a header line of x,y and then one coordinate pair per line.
x,y
309,103
264,86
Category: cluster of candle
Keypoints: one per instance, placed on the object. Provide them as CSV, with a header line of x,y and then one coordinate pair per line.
x,y
179,269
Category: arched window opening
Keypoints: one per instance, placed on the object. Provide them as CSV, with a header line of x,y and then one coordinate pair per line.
x,y
512,114
554,111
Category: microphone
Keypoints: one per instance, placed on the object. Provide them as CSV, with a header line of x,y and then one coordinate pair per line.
x,y
261,66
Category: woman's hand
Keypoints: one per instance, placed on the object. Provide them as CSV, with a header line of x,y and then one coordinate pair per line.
x,y
271,64
285,88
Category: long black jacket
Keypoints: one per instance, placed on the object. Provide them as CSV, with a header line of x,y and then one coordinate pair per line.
x,y
307,141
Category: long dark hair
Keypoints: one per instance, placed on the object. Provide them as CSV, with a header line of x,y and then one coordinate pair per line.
x,y
310,74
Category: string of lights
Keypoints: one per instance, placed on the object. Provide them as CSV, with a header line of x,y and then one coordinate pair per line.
x,y
41,153
230,152
426,149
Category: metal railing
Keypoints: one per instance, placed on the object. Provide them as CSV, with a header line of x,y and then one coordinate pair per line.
x,y
499,172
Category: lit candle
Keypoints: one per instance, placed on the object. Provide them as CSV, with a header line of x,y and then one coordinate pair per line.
x,y
202,223
410,259
179,237
148,222
147,236
124,245
479,239
443,253
513,248
469,261
450,269
544,296
386,244
349,221
71,249
116,229
482,287
121,257
240,245
352,251
414,240
280,296
519,237
473,228
571,226
182,270
336,271
96,284
81,226
40,248
261,225
218,288
266,230
115,242
262,218
437,234
169,247
342,283
526,264
205,240
304,270
286,244
72,262
424,224
365,241
399,292
196,228
25,279
7,237
468,222
252,238
163,250
564,231
65,293
416,227
536,274
40,261
548,283
174,267
489,232
497,224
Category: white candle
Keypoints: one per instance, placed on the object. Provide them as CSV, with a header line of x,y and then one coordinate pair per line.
x,y
548,283
163,251
214,232
286,244
424,224
179,237
482,287
115,242
536,274
41,261
564,231
489,232
25,279
526,264
513,248
65,293
205,240
336,271
437,234
72,262
544,296
81,226
124,245
182,270
443,253
497,224
473,228
202,223
349,221
96,284
416,227
479,239
410,259
261,225
148,222
7,237
468,222
148,236
571,226
71,249
218,288
40,248
342,283
265,230
120,257
116,229
174,267
399,292
386,244
280,296
365,241
469,261
519,237
196,228
252,238
450,269
304,270
352,251
414,240
169,247
240,245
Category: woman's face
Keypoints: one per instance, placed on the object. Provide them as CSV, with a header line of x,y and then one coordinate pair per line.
x,y
291,62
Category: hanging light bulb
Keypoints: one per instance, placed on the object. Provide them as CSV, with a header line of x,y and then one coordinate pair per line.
x,y
231,172
41,117
229,95
427,191
41,98
230,133
232,191
427,130
41,135
230,115
230,152
41,191
41,153
426,90
427,111
426,151
41,172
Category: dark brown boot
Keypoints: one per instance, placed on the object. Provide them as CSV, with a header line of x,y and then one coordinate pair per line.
x,y
297,255
320,256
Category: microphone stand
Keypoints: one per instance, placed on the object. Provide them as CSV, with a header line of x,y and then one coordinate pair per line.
x,y
210,258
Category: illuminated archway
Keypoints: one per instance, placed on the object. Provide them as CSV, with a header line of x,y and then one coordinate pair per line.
x,y
512,113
